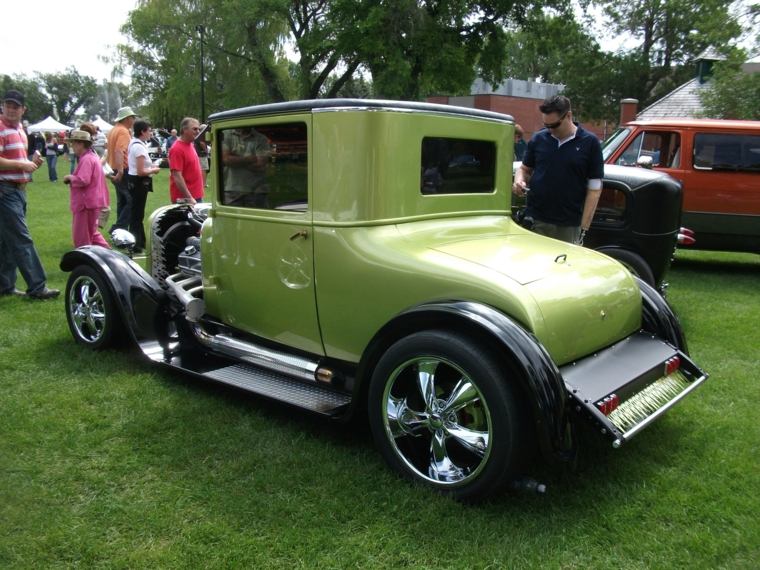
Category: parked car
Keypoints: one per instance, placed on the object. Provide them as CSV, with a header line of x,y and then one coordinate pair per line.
x,y
637,221
157,150
718,163
336,282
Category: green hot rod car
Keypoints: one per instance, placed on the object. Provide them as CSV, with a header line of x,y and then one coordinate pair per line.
x,y
358,257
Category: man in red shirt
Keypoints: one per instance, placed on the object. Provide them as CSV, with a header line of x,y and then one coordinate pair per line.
x,y
17,250
186,182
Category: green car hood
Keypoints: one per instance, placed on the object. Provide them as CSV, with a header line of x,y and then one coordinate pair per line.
x,y
587,300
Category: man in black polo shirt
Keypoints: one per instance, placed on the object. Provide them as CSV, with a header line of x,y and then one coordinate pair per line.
x,y
564,167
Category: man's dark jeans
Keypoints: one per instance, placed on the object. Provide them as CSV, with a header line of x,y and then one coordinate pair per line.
x,y
123,204
16,246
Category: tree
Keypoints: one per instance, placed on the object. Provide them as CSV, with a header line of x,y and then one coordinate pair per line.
x,y
410,48
732,93
556,48
68,92
671,34
37,103
243,59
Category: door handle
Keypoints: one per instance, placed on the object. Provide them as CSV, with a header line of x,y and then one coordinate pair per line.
x,y
299,234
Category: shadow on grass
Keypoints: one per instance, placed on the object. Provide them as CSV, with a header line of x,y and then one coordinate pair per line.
x,y
599,469
201,434
717,263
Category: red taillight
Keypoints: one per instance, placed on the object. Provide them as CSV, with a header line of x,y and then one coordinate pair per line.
x,y
672,364
686,236
609,404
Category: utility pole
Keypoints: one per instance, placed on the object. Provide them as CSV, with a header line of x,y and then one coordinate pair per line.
x,y
201,30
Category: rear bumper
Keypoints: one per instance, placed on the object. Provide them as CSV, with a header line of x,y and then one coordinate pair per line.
x,y
633,375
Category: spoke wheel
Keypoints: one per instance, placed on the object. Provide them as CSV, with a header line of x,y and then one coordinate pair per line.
x,y
90,310
443,413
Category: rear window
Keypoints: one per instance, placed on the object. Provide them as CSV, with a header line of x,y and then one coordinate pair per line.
x,y
727,152
457,166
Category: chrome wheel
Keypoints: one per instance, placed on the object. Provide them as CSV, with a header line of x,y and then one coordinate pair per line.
x,y
87,309
437,420
90,310
444,412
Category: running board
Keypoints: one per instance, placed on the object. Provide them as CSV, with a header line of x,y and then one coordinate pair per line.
x,y
275,375
280,387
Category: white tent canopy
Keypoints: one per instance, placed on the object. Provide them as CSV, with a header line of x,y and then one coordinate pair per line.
x,y
48,125
101,124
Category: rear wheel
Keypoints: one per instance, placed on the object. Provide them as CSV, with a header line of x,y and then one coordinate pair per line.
x,y
92,314
442,412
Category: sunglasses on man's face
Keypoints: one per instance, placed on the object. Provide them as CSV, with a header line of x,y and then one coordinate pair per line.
x,y
555,124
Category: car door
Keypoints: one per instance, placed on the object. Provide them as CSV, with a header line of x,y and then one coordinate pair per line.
x,y
261,274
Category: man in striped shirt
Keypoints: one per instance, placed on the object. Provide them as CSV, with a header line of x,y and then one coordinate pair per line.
x,y
17,250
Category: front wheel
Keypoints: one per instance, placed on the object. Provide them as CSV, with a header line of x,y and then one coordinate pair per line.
x,y
633,262
443,412
92,314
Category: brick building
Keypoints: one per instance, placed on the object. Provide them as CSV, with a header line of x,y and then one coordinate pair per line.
x,y
514,97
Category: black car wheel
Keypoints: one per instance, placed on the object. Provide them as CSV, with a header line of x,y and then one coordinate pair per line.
x,y
92,315
443,413
633,262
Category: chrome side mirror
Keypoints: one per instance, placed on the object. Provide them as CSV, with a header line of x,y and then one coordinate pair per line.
x,y
645,162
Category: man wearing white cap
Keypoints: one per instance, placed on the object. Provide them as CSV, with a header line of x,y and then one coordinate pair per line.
x,y
118,142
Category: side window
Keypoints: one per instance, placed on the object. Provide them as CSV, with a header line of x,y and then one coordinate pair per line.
x,y
727,152
611,207
457,166
264,167
662,147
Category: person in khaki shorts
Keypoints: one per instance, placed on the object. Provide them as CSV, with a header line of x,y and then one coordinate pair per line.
x,y
17,252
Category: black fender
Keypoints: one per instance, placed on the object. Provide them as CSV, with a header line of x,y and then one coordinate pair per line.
x,y
632,259
657,317
539,377
140,298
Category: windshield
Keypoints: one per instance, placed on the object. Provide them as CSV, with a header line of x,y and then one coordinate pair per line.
x,y
613,142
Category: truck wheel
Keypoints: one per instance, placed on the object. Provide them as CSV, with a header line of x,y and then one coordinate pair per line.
x,y
92,315
443,413
633,262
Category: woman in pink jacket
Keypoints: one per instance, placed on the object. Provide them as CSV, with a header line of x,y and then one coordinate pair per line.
x,y
87,197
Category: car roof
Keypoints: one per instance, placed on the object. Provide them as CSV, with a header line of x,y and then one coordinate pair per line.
x,y
698,123
357,104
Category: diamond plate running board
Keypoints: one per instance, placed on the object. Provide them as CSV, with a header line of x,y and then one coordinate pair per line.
x,y
281,387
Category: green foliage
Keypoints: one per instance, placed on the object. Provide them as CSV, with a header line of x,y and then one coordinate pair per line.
x,y
37,102
68,91
671,34
243,61
732,93
410,48
107,461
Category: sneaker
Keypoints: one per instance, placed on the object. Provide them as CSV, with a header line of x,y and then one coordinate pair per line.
x,y
44,294
14,291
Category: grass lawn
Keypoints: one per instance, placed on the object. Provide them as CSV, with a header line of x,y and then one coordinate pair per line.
x,y
108,462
